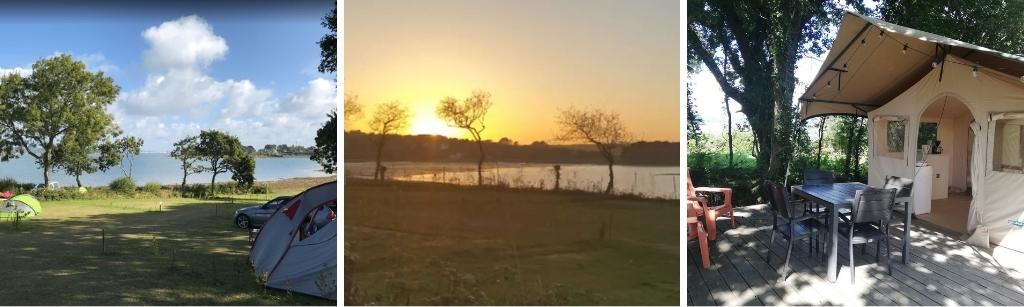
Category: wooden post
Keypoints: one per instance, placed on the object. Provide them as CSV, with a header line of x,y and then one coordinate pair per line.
x,y
103,241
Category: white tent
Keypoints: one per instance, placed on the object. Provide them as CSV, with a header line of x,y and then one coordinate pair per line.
x,y
297,248
899,78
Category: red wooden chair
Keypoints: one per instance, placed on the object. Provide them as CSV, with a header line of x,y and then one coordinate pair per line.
x,y
725,209
695,229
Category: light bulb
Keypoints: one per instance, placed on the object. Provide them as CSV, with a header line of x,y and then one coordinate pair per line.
x,y
829,84
862,41
935,64
904,51
1022,78
974,72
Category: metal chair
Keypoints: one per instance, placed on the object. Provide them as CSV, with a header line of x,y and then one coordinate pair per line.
x,y
792,224
904,187
869,222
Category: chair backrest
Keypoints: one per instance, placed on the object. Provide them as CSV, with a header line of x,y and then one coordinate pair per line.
x,y
690,190
902,185
873,205
818,177
778,198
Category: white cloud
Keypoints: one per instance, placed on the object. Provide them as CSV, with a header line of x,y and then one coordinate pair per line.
x,y
185,43
179,98
23,71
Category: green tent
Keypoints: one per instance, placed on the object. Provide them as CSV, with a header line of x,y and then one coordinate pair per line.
x,y
24,205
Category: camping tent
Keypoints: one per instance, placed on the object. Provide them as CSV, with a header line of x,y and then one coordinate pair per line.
x,y
24,205
899,78
297,248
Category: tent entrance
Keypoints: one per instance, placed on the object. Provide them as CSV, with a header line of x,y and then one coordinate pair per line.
x,y
945,124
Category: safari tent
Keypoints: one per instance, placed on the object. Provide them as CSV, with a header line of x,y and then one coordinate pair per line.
x,y
23,205
297,248
903,80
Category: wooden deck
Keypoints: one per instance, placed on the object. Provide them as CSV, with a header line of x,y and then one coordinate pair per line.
x,y
943,271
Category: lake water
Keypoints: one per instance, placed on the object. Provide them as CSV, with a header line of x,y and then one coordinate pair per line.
x,y
646,181
160,168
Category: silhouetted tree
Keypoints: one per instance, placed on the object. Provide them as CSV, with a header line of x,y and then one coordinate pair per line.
x,y
186,151
326,151
329,43
468,114
387,119
596,126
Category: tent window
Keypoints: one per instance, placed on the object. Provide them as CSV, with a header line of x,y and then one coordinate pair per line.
x,y
894,136
1009,138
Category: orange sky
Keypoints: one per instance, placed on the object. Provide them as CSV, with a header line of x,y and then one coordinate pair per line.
x,y
534,56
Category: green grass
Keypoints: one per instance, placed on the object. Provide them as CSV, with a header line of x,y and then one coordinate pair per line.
x,y
429,244
157,251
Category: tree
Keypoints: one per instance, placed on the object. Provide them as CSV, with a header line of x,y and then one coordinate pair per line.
x,y
218,148
997,25
59,102
762,41
598,127
75,160
187,152
468,114
353,110
329,43
243,166
387,119
120,152
326,152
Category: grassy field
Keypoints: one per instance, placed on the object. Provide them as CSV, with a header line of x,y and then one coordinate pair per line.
x,y
426,244
156,251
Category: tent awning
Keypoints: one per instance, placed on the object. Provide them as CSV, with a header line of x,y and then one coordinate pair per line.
x,y
873,61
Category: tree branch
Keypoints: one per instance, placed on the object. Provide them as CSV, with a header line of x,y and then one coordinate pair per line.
x,y
705,56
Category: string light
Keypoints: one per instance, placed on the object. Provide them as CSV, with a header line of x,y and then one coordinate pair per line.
x,y
935,64
1022,78
862,41
904,51
880,34
974,71
829,84
844,65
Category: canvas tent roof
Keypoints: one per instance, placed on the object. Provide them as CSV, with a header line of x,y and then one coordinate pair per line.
x,y
867,66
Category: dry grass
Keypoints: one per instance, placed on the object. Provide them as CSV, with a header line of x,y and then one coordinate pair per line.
x,y
424,243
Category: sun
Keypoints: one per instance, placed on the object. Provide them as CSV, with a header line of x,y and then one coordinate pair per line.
x,y
428,124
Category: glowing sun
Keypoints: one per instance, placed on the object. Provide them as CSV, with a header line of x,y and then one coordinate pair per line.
x,y
428,124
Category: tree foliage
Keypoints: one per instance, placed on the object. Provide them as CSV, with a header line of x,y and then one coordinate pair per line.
x,y
992,24
389,118
469,114
353,110
326,152
220,150
120,152
186,151
329,43
761,40
61,105
602,128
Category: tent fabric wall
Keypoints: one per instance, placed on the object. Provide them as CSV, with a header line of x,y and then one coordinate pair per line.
x,y
987,93
291,263
978,167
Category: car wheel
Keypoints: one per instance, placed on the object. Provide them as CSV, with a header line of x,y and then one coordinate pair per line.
x,y
242,221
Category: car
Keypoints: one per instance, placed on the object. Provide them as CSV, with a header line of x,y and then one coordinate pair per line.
x,y
250,217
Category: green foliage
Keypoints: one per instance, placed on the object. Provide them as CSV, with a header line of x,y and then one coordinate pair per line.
x,y
329,43
693,120
219,149
997,25
187,152
36,123
152,188
123,185
326,152
243,167
52,194
10,184
223,188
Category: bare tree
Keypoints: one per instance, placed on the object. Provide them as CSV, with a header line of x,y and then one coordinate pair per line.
x,y
468,114
602,128
389,118
353,110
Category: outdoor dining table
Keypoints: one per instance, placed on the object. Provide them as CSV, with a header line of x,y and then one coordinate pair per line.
x,y
836,197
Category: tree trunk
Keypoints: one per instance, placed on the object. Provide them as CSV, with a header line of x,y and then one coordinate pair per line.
x,y
856,150
821,137
213,183
728,116
611,175
78,181
479,163
46,174
849,146
183,178
380,149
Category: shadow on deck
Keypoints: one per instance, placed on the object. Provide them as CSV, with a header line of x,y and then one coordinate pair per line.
x,y
943,271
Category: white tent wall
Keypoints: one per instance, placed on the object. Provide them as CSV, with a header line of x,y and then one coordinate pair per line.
x,y
990,92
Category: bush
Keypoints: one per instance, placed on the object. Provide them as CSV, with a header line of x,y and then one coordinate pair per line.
x,y
9,184
56,193
123,185
152,188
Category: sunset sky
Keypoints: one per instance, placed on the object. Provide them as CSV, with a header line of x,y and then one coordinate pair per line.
x,y
535,57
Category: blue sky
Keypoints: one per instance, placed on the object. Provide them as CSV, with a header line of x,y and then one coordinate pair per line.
x,y
245,68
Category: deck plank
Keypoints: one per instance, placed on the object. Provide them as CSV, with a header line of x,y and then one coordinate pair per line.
x,y
943,271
